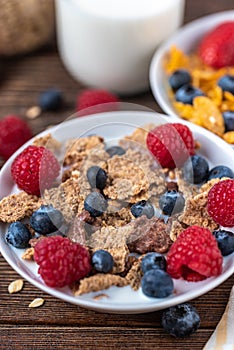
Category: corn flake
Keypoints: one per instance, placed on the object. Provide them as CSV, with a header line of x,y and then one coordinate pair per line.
x,y
207,110
177,59
210,115
229,137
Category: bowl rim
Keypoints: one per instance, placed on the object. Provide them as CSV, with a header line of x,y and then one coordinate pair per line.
x,y
118,307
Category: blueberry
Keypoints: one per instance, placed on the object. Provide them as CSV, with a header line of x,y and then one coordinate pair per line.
x,y
46,219
102,261
153,260
196,169
220,171
171,202
228,117
227,83
95,204
181,320
179,78
97,177
157,283
115,150
187,93
18,235
225,240
142,208
50,100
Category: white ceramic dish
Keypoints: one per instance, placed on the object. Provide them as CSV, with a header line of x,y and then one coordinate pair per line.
x,y
121,300
186,39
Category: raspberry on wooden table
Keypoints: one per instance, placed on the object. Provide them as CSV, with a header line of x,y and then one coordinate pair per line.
x,y
195,255
171,144
93,97
61,261
14,132
220,204
35,169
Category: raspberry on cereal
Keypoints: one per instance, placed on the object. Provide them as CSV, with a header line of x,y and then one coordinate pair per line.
x,y
14,132
216,49
195,255
61,261
220,205
171,144
35,169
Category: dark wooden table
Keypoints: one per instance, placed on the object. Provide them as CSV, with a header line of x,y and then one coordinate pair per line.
x,y
57,324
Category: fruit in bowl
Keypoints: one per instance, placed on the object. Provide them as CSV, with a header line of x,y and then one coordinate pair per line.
x,y
120,196
198,74
93,182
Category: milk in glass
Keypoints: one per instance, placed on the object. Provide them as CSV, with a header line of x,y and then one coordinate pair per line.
x,y
109,43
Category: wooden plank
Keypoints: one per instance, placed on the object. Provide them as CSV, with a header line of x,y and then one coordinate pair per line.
x,y
35,337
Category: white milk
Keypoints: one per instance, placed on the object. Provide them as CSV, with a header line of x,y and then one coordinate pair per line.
x,y
109,43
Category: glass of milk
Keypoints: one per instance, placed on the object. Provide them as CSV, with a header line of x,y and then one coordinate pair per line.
x,y
109,43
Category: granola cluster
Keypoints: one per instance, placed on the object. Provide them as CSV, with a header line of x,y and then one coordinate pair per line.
x,y
131,177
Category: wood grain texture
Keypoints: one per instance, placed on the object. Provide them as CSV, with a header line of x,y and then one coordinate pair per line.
x,y
59,325
84,338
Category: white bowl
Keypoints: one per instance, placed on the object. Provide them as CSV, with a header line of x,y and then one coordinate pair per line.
x,y
115,125
185,39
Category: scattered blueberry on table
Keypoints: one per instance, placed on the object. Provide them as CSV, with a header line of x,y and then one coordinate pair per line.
x,y
50,99
181,320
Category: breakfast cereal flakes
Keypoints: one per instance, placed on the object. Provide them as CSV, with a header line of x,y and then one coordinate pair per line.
x,y
206,111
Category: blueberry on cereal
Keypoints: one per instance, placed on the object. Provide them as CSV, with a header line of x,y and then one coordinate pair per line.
x,y
181,320
179,78
142,208
157,283
153,260
171,202
196,169
18,235
115,151
228,117
226,83
220,171
95,204
50,100
46,219
187,93
225,240
102,261
97,177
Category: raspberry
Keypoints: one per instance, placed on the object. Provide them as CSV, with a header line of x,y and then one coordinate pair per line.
x,y
220,203
61,261
91,97
195,255
35,169
14,132
171,144
217,47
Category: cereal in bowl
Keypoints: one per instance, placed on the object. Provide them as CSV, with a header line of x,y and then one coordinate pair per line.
x,y
118,208
199,92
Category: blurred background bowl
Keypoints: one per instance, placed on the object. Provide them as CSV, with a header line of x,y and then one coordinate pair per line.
x,y
186,38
